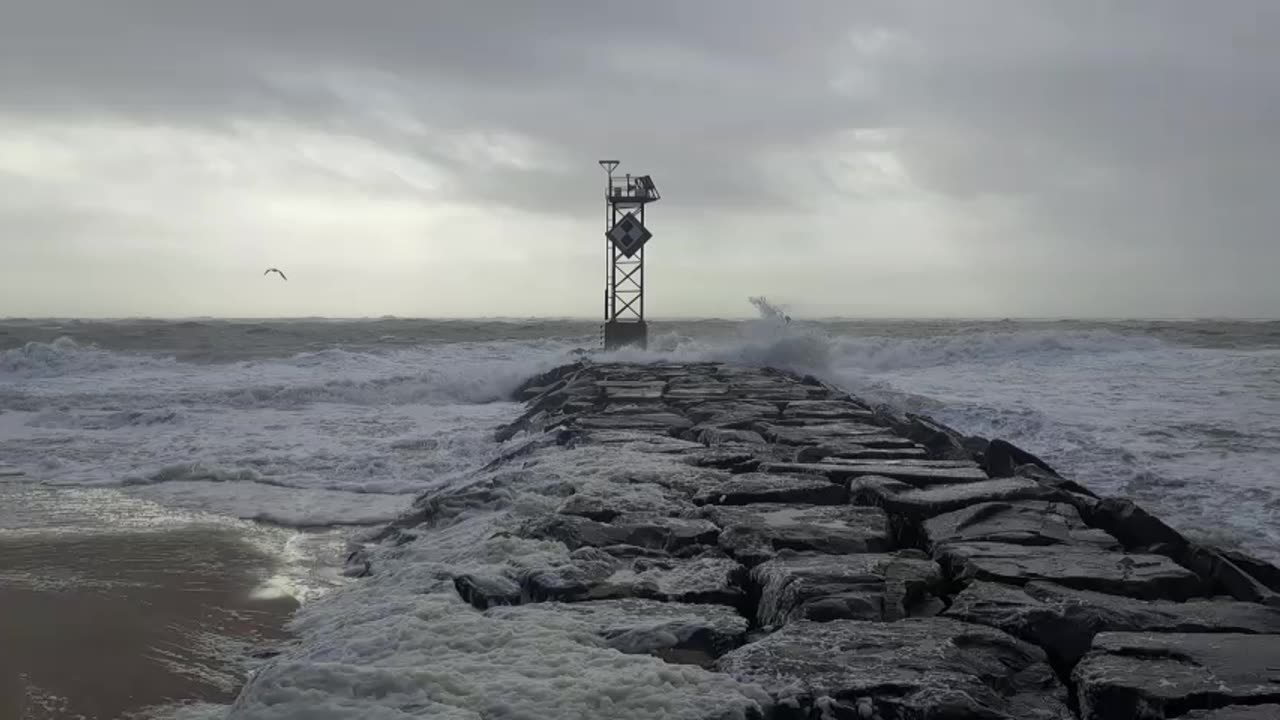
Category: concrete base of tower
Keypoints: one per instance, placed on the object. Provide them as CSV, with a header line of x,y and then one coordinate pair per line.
x,y
619,334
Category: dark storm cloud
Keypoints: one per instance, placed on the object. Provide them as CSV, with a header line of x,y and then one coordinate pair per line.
x,y
692,89
1120,142
1147,124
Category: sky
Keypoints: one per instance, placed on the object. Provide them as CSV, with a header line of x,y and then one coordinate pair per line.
x,y
867,159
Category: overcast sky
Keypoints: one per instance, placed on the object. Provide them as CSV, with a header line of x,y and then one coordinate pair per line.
x,y
980,159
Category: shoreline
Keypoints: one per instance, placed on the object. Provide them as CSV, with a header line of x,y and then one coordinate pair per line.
x,y
106,612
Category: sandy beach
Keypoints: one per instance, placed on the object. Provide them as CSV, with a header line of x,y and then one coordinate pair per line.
x,y
105,613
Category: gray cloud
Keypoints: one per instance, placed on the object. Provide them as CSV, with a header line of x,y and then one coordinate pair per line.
x,y
1098,159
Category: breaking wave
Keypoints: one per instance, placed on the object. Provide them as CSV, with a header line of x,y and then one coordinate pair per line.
x,y
63,356
773,339
449,374
1187,427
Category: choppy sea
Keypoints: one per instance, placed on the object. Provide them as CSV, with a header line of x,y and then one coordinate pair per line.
x,y
303,432
312,423
315,423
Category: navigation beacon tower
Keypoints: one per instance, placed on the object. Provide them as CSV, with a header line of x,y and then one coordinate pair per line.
x,y
625,235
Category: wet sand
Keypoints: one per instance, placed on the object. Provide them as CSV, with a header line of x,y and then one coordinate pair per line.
x,y
101,623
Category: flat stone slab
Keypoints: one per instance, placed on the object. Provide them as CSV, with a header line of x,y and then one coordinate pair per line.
x,y
1150,577
627,390
652,392
657,422
915,474
1146,675
902,498
804,422
641,441
1063,621
683,479
713,436
595,574
875,587
1025,522
747,488
812,434
679,632
754,533
634,407
778,392
655,532
695,392
736,457
697,580
1237,712
605,502
741,414
855,451
881,442
914,668
914,462
826,410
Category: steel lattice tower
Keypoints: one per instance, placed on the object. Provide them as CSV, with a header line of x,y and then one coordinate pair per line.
x,y
625,236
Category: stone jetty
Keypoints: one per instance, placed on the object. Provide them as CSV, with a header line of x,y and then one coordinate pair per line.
x,y
780,549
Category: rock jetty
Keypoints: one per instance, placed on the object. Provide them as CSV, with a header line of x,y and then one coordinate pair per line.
x,y
706,541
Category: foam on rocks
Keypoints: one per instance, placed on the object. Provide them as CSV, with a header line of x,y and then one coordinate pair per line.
x,y
707,542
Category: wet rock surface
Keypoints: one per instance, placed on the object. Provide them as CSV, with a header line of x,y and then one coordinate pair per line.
x,y
1146,675
751,488
1150,577
645,530
1063,621
774,548
753,533
1237,712
877,587
675,630
1026,522
915,668
918,474
623,571
901,497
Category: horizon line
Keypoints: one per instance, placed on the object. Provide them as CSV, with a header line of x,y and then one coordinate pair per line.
x,y
662,319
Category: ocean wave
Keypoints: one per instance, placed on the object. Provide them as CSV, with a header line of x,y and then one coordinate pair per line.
x,y
198,471
97,420
275,504
85,376
204,473
774,340
892,353
62,356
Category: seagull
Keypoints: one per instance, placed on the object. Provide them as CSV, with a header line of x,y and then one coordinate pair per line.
x,y
274,270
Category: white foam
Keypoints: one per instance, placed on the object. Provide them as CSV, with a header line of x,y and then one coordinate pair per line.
x,y
185,711
381,426
277,505
324,438
401,643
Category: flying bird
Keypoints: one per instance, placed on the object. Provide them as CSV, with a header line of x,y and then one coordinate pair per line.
x,y
274,270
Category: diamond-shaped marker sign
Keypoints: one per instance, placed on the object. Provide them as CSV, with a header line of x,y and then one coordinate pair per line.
x,y
629,235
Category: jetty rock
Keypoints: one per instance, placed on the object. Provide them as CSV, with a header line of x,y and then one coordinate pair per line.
x,y
703,541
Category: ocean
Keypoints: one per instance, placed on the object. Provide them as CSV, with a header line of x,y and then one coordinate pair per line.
x,y
301,433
